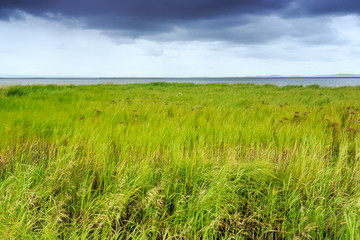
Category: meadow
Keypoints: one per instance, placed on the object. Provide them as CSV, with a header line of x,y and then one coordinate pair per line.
x,y
179,161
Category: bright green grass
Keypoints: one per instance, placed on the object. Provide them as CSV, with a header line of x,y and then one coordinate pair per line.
x,y
179,161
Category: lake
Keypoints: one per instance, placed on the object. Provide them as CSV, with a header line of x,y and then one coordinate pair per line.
x,y
280,81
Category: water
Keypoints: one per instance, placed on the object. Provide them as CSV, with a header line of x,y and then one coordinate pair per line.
x,y
323,81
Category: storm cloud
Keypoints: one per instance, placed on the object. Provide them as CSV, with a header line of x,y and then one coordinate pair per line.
x,y
179,37
245,21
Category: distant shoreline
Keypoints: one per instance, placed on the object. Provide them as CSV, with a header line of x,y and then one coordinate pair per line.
x,y
135,78
332,81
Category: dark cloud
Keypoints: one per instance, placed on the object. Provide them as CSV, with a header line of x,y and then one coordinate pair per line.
x,y
332,7
176,10
229,20
154,10
137,18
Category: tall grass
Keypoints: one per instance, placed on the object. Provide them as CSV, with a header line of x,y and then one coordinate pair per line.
x,y
179,161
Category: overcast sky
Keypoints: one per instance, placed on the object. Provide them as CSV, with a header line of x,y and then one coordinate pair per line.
x,y
178,38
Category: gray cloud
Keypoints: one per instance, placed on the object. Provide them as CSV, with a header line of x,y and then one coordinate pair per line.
x,y
244,22
139,10
250,30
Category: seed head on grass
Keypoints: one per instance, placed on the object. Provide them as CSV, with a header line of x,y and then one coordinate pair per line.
x,y
2,165
128,174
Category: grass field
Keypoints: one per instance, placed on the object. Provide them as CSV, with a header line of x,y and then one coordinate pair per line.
x,y
179,161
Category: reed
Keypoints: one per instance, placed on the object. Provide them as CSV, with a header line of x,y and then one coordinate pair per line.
x,y
179,161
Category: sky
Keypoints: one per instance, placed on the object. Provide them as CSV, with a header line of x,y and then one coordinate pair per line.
x,y
179,38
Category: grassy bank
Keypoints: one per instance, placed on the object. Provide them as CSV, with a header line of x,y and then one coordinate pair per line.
x,y
179,161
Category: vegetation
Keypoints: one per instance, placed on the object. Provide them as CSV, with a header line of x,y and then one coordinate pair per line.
x,y
179,161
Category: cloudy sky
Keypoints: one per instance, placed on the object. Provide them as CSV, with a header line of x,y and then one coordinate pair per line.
x,y
178,38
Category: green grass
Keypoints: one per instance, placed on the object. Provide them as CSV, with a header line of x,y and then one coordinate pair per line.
x,y
179,161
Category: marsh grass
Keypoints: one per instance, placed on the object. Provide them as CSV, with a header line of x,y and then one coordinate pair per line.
x,y
179,161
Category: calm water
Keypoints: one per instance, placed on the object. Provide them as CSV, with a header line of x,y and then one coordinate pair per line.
x,y
326,81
